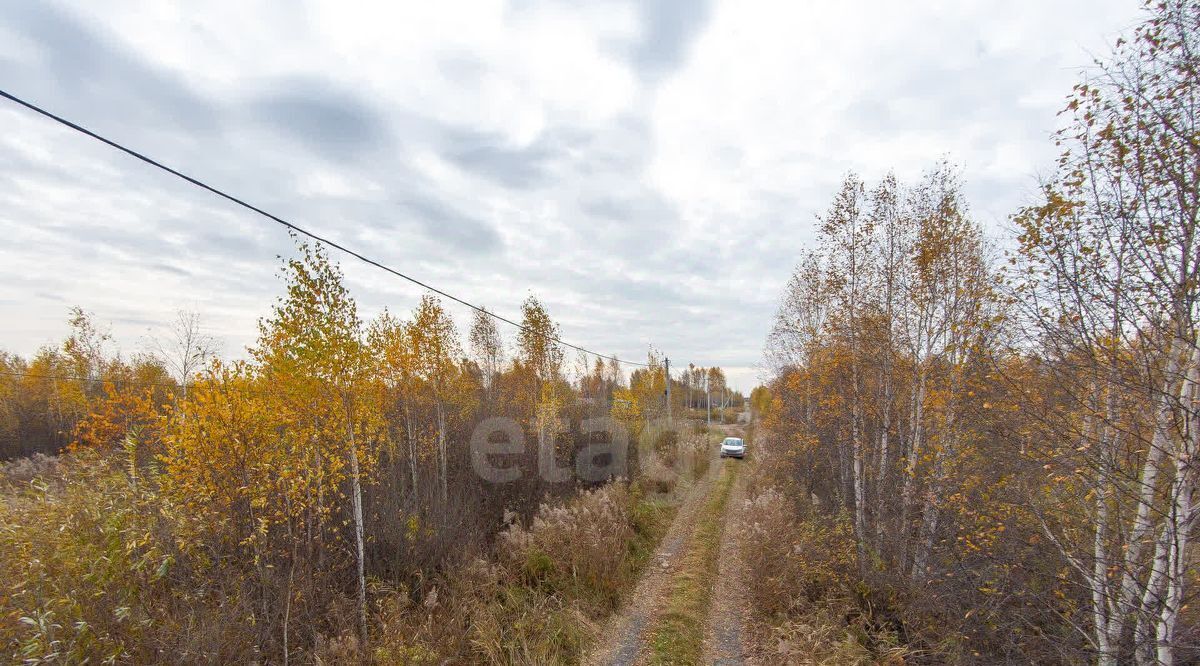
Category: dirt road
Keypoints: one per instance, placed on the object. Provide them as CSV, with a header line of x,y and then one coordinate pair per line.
x,y
728,611
687,609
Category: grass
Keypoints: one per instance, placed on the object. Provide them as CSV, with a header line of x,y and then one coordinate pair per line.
x,y
651,519
557,625
679,632
544,599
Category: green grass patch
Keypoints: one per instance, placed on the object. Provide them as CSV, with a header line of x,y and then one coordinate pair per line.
x,y
651,520
679,631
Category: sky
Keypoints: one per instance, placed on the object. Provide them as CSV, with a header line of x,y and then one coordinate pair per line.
x,y
650,170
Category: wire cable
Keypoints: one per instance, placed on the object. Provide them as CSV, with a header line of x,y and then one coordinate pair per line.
x,y
296,228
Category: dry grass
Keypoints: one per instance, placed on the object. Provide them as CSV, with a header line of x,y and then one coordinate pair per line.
x,y
802,581
796,561
21,471
822,638
541,599
579,548
696,452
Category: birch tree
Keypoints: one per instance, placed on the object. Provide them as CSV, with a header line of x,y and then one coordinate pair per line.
x,y
396,368
539,350
953,286
311,351
1108,265
435,347
487,349
185,349
846,230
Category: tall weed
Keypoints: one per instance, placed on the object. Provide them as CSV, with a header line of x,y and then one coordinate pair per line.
x,y
541,597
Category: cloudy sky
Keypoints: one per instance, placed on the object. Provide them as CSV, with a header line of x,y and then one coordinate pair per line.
x,y
651,170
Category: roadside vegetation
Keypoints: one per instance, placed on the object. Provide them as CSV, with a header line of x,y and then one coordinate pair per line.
x,y
989,457
967,453
541,599
808,604
319,500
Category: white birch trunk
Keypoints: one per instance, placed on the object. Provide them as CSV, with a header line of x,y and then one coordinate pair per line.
x,y
860,492
1180,521
442,453
359,550
907,495
412,445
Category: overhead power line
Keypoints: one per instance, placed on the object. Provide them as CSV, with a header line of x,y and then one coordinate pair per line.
x,y
294,227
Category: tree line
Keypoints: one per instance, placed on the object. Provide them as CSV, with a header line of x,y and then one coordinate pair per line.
x,y
1013,437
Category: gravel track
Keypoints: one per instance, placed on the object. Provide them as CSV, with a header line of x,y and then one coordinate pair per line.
x,y
624,635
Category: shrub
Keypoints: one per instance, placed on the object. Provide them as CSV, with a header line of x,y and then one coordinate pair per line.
x,y
697,454
795,562
94,573
802,580
579,547
540,600
91,568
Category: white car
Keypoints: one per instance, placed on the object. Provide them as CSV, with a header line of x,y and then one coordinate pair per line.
x,y
733,447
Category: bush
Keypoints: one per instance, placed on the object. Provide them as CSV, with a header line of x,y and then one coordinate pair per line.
x,y
95,574
580,547
541,599
795,563
801,580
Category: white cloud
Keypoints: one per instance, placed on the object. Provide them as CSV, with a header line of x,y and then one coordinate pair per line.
x,y
650,170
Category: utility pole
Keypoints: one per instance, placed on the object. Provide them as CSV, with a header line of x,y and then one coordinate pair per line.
x,y
668,392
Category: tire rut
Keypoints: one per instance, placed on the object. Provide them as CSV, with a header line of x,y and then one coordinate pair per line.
x,y
727,615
